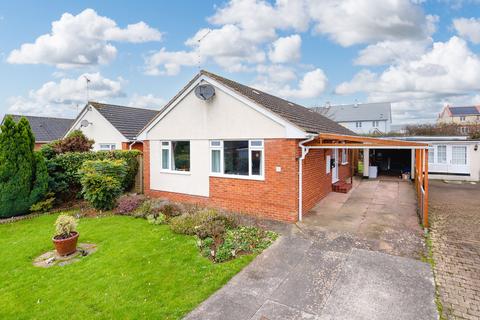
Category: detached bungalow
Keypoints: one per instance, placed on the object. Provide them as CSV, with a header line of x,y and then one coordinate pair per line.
x,y
112,127
45,129
227,145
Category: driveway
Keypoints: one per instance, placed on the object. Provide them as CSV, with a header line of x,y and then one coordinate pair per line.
x,y
328,271
455,235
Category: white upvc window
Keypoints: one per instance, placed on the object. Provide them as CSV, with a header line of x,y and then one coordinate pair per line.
x,y
358,124
375,123
175,156
462,118
431,155
441,154
107,146
344,156
459,155
237,158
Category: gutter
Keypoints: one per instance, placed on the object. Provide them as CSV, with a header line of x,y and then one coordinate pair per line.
x,y
305,150
131,144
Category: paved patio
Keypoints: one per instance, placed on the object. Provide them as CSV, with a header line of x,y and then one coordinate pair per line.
x,y
317,272
380,211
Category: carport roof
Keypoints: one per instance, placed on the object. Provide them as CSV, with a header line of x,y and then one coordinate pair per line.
x,y
337,141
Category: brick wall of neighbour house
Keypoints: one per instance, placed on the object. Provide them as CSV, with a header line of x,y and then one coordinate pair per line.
x,y
38,145
137,146
276,197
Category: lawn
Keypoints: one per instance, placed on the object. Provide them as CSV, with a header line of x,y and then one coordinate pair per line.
x,y
139,271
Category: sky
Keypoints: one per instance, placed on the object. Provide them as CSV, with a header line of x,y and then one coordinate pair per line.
x,y
419,55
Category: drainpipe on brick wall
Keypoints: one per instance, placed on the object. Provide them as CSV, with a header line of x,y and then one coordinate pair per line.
x,y
131,144
304,150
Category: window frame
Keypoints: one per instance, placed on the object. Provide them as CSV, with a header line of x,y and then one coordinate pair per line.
x,y
344,156
251,148
376,123
109,145
358,124
431,158
437,154
167,145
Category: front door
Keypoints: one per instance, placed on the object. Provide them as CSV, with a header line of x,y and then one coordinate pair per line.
x,y
334,165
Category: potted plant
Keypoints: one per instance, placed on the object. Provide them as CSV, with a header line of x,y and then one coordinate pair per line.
x,y
66,235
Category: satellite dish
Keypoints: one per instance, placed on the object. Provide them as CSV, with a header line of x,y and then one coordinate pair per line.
x,y
204,91
84,123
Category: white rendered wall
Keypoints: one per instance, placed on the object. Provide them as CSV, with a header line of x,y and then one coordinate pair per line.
x,y
100,130
195,182
367,126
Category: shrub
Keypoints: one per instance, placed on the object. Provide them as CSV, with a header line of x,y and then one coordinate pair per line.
x,y
65,225
128,204
23,172
76,141
64,170
171,210
102,182
188,223
157,218
45,205
237,241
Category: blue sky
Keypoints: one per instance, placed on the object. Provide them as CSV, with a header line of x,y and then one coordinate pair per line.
x,y
419,55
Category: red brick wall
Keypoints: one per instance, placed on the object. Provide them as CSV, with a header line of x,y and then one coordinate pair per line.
x,y
277,196
137,146
316,182
38,145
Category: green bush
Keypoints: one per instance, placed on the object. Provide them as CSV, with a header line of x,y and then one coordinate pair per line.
x,y
102,182
158,218
64,170
44,205
23,172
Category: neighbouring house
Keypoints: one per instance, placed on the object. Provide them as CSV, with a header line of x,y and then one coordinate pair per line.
x,y
361,118
45,129
467,117
112,127
449,157
227,145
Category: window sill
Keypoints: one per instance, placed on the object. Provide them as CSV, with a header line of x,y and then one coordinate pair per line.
x,y
183,173
234,176
344,163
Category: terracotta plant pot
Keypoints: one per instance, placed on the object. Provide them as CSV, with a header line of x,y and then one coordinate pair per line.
x,y
66,246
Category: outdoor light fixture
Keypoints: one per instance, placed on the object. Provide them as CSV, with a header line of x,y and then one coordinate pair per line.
x,y
476,147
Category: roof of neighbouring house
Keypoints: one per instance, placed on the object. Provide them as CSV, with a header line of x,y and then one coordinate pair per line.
x,y
302,117
464,111
128,120
46,129
358,112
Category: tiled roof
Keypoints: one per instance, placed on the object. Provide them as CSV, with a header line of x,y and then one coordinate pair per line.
x,y
128,120
46,129
296,114
464,111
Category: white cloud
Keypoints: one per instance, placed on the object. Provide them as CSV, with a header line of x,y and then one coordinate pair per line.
x,y
286,49
352,22
169,62
468,28
312,85
81,40
388,52
447,70
60,98
148,101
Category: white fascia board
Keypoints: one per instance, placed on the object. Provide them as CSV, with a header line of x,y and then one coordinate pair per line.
x,y
291,131
77,121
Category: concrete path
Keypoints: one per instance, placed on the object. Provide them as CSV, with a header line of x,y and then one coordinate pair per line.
x,y
324,270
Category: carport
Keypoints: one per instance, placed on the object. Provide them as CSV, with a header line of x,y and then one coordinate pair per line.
x,y
355,143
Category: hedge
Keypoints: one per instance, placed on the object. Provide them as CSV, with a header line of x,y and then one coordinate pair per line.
x,y
64,169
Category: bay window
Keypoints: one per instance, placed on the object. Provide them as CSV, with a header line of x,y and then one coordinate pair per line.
x,y
237,158
175,156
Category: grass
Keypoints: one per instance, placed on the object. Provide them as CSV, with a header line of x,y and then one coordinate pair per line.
x,y
139,271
